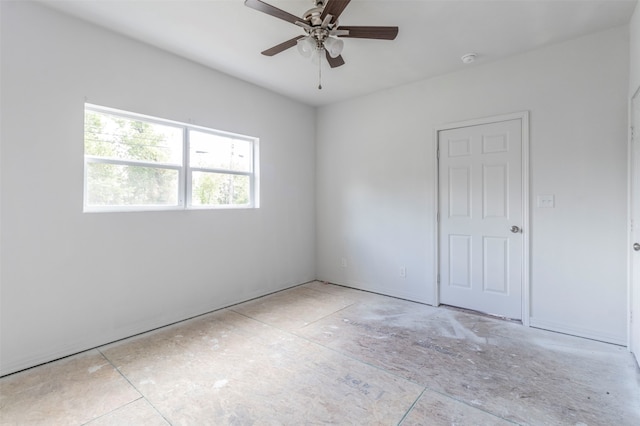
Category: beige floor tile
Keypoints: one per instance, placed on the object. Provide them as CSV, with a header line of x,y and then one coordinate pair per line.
x,y
240,373
434,409
139,412
70,391
525,375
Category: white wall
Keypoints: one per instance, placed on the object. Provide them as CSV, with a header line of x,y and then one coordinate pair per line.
x,y
375,179
71,281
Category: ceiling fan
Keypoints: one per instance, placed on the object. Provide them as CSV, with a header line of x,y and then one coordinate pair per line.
x,y
323,31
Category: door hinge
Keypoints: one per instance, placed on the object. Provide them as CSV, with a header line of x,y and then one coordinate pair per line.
x,y
438,279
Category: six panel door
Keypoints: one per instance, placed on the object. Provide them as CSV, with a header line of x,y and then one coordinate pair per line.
x,y
480,187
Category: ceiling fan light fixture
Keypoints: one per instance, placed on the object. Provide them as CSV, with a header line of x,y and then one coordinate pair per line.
x,y
306,46
318,54
333,46
322,27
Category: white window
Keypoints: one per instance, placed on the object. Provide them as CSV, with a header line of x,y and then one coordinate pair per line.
x,y
135,162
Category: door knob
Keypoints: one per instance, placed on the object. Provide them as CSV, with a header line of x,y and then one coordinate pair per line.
x,y
636,247
515,229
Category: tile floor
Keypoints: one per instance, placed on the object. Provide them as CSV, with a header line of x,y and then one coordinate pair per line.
x,y
325,354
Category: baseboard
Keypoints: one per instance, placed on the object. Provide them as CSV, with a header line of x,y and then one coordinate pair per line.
x,y
577,331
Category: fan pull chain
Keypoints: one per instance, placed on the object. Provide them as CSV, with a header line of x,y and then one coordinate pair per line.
x,y
320,69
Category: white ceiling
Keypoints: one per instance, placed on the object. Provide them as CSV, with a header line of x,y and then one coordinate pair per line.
x,y
434,34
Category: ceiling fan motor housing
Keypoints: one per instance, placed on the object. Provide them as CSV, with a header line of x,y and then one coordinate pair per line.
x,y
312,16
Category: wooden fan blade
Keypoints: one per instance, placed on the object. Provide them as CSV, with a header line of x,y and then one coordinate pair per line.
x,y
272,10
334,62
282,46
334,8
378,33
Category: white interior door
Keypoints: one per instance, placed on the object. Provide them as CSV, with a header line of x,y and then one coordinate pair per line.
x,y
481,215
635,227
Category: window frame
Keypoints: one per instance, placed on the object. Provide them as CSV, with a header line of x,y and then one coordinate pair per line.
x,y
185,171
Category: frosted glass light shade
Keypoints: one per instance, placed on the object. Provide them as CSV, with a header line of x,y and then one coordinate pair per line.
x,y
334,46
306,46
317,56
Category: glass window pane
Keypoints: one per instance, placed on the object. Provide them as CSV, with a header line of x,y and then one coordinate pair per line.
x,y
109,136
118,185
211,151
220,189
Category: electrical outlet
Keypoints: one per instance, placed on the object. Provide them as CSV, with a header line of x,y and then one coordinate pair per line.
x,y
343,262
403,272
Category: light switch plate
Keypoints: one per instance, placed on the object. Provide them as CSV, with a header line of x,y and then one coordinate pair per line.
x,y
546,201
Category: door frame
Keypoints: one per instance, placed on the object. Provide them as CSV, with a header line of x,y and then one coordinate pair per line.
x,y
523,116
634,135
